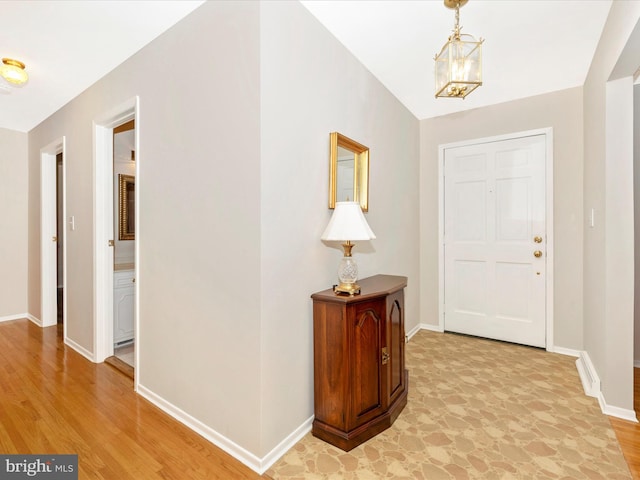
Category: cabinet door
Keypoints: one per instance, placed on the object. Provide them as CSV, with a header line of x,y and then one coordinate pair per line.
x,y
123,313
331,364
367,332
395,345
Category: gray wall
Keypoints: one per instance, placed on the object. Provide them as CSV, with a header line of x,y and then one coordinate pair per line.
x,y
233,187
311,86
225,319
561,110
199,214
608,176
13,226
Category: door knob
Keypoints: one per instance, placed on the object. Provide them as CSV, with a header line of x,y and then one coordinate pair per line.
x,y
54,239
537,254
537,239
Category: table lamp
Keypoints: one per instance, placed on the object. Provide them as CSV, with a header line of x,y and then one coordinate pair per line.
x,y
347,223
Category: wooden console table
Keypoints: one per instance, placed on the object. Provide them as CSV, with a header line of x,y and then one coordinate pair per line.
x,y
360,380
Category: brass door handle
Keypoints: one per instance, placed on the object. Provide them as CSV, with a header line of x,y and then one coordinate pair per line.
x,y
54,239
385,356
537,239
537,254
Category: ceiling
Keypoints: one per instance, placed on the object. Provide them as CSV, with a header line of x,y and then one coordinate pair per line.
x,y
69,45
531,46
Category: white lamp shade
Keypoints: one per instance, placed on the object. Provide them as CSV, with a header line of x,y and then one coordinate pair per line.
x,y
348,223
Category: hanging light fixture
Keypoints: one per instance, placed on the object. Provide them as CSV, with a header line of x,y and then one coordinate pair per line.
x,y
459,63
13,72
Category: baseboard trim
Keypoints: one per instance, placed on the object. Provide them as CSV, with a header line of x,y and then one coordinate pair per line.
x,y
220,441
413,331
35,320
432,328
588,375
19,316
80,349
566,351
636,363
285,445
423,326
592,388
623,413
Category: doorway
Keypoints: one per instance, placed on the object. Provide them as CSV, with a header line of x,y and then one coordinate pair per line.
x,y
52,235
105,231
496,244
124,171
59,244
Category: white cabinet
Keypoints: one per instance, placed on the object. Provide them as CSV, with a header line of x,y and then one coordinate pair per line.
x,y
124,300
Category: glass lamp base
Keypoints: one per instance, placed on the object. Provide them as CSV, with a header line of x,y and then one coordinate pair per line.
x,y
347,274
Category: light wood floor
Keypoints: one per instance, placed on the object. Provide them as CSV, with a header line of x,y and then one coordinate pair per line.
x,y
53,400
628,433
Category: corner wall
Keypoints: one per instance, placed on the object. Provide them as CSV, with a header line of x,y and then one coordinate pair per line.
x,y
14,171
199,215
311,86
608,190
560,110
233,190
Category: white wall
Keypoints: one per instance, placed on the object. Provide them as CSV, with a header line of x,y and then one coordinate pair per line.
x,y
608,190
561,110
14,169
311,86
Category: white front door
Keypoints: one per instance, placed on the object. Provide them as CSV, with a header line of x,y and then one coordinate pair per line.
x,y
494,240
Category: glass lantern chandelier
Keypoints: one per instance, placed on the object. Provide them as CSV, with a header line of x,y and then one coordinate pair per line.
x,y
459,63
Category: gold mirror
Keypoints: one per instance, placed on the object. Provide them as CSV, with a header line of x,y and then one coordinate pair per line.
x,y
349,171
127,204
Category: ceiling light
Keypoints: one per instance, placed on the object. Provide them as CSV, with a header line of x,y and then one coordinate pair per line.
x,y
13,71
459,63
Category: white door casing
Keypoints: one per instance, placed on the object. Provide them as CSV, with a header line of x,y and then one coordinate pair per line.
x,y
104,231
495,205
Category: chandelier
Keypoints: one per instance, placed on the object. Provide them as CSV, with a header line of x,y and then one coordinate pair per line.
x,y
459,64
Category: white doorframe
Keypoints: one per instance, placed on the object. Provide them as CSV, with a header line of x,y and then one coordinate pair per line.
x,y
103,227
48,229
548,133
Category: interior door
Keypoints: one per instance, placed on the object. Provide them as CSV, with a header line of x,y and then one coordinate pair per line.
x,y
494,240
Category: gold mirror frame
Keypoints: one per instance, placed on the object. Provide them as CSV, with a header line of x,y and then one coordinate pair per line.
x,y
360,170
126,202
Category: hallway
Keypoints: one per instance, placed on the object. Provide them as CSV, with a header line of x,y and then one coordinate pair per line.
x,y
53,400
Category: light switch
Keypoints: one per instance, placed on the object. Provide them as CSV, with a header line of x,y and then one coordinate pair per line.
x,y
592,220
72,222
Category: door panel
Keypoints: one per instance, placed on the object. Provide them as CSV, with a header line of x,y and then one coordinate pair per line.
x,y
367,398
494,207
395,341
